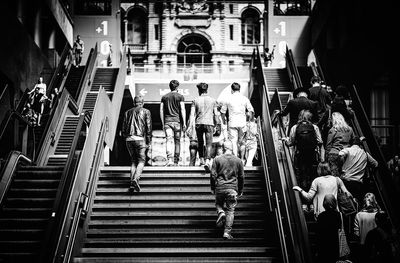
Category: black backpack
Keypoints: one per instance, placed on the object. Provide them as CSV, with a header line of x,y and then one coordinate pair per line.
x,y
306,138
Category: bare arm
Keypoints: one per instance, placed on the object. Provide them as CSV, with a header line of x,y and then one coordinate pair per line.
x,y
183,112
162,114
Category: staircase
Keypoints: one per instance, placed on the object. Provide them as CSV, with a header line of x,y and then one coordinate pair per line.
x,y
73,80
25,212
104,77
173,218
278,78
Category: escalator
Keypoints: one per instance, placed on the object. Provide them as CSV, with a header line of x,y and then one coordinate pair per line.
x,y
383,187
104,78
173,218
277,78
74,78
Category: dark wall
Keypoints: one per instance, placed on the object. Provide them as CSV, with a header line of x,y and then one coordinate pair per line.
x,y
354,41
21,60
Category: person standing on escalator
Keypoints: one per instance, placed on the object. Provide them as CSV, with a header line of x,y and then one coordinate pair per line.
x,y
79,47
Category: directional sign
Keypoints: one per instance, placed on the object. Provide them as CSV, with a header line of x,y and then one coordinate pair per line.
x,y
154,91
143,92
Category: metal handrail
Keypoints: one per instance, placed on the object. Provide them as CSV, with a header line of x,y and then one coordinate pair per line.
x,y
383,181
295,246
292,69
8,172
61,200
85,199
87,75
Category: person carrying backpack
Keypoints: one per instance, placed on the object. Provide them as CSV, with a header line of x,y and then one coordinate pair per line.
x,y
308,148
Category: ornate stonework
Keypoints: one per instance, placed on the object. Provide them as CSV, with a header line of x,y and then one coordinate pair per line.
x,y
192,6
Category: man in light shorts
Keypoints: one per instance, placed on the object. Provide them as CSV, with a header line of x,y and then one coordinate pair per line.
x,y
236,108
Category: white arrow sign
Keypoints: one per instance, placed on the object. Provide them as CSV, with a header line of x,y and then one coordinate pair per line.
x,y
143,92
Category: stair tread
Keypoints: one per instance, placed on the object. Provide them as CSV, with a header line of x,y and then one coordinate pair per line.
x,y
174,259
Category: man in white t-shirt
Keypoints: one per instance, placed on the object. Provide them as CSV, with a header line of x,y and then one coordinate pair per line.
x,y
236,107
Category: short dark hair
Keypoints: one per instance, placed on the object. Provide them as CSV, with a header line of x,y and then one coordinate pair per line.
x,y
235,86
138,100
315,79
173,84
323,169
202,87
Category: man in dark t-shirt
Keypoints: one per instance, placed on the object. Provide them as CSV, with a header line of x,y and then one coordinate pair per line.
x,y
173,119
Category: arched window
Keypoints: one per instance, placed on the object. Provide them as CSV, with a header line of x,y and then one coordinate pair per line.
x,y
137,21
250,27
194,48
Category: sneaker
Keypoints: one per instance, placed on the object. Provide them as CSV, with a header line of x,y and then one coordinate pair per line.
x,y
131,188
227,236
221,219
135,185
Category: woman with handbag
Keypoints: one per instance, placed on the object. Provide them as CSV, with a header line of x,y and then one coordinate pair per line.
x,y
328,225
321,186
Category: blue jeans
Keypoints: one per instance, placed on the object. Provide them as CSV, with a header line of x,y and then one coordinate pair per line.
x,y
226,200
137,151
193,147
173,135
208,130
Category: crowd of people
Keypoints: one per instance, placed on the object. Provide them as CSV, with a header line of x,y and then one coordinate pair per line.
x,y
223,134
331,164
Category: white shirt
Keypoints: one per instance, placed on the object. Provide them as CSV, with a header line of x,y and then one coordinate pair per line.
x,y
236,105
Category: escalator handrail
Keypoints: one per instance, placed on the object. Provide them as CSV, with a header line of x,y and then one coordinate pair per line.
x,y
87,74
82,210
8,172
63,190
296,250
59,70
292,69
383,179
272,195
54,81
65,100
291,180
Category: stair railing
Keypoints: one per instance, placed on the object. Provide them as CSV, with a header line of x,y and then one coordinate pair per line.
x,y
89,161
61,203
87,76
282,198
85,201
7,174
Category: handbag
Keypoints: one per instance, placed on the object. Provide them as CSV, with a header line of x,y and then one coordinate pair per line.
x,y
344,249
346,203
